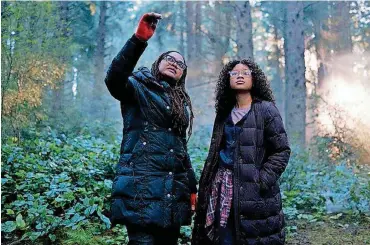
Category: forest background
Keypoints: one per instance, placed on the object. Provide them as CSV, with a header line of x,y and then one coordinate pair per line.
x,y
61,129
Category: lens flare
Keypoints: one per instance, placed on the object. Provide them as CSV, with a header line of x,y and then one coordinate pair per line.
x,y
345,94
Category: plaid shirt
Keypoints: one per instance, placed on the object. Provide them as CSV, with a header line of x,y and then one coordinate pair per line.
x,y
223,182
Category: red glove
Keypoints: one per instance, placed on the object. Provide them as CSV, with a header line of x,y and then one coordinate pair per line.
x,y
193,201
147,25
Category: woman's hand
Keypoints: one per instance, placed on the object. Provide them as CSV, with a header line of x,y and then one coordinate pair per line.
x,y
193,201
147,25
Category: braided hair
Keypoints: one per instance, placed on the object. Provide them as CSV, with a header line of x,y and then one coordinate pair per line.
x,y
178,96
225,95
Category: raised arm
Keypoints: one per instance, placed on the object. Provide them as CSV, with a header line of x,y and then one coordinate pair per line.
x,y
124,63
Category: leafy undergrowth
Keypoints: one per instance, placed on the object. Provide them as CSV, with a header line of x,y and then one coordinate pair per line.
x,y
56,190
54,183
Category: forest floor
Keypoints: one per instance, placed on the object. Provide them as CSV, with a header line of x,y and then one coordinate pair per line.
x,y
330,232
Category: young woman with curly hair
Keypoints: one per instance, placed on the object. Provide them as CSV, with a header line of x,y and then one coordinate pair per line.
x,y
239,197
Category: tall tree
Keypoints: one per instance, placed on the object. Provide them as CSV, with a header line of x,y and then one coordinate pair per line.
x,y
33,52
319,16
340,26
244,39
277,83
294,47
63,26
221,33
181,26
274,21
98,86
190,34
198,36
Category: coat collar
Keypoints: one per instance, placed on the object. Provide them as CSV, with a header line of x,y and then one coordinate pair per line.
x,y
224,119
145,75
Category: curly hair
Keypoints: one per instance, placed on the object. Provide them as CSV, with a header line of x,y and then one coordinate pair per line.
x,y
178,96
225,95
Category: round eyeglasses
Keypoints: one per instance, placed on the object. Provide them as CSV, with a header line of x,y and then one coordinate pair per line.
x,y
246,73
170,59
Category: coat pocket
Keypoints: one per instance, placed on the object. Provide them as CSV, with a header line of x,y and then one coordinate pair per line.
x,y
125,158
124,166
139,147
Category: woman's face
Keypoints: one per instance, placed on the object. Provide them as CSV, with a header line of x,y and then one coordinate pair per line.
x,y
241,77
172,66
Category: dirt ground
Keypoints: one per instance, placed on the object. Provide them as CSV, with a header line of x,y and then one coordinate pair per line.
x,y
338,232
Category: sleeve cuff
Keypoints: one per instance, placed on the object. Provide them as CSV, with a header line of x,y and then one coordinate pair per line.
x,y
137,41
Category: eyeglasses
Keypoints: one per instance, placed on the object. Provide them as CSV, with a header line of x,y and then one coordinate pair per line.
x,y
170,59
247,73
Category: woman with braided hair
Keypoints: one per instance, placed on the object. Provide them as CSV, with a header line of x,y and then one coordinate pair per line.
x,y
154,180
239,198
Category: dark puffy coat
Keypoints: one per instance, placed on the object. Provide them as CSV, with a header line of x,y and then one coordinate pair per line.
x,y
154,177
260,158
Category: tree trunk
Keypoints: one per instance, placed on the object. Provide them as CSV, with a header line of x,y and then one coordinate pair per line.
x,y
320,20
341,23
244,39
181,28
294,48
98,87
198,36
221,34
190,40
58,92
277,84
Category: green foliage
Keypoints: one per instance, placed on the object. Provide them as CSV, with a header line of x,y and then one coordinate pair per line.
x,y
185,235
198,148
58,188
34,50
52,182
312,188
85,236
93,234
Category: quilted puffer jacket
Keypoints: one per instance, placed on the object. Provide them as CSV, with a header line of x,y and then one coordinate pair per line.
x,y
154,176
260,157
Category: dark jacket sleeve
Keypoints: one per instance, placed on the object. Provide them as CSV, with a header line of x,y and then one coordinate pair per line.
x,y
277,147
122,67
